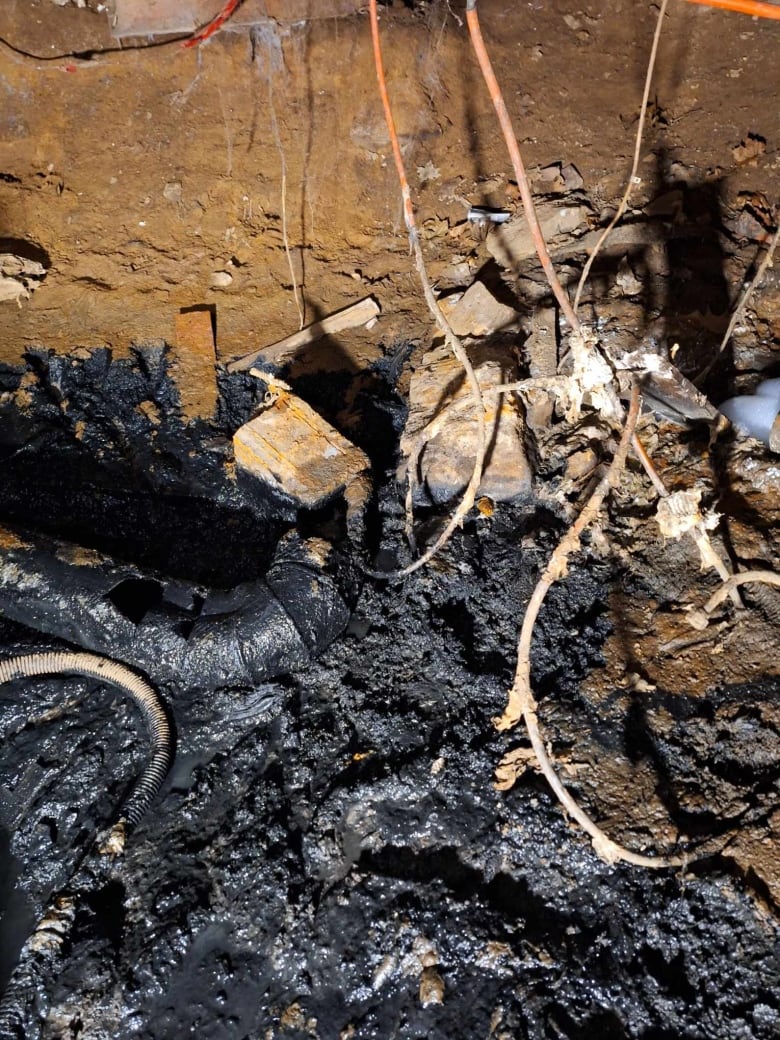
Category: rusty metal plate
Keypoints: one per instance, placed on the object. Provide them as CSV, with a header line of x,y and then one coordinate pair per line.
x,y
157,17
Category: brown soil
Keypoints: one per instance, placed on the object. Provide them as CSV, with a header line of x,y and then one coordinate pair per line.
x,y
143,176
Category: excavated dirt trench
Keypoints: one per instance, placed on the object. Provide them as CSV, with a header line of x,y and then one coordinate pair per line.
x,y
330,856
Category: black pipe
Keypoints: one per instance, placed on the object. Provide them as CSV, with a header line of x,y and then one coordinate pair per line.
x,y
173,631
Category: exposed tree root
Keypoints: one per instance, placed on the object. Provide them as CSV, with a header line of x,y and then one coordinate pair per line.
x,y
454,343
522,703
700,618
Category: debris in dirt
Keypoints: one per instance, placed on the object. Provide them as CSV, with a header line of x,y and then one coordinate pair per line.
x,y
679,513
433,228
591,381
511,243
665,389
431,987
513,765
360,313
756,219
428,173
291,448
193,366
478,313
654,115
559,179
220,280
626,281
748,151
485,215
446,461
172,192
750,228
581,464
19,277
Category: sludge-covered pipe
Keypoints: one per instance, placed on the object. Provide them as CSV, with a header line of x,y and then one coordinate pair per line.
x,y
178,633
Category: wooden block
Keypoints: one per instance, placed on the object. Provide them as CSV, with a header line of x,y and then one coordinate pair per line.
x,y
292,448
193,366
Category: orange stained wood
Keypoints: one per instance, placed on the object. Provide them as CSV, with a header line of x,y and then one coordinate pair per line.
x,y
194,365
291,447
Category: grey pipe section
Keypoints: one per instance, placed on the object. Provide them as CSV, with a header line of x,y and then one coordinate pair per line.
x,y
173,631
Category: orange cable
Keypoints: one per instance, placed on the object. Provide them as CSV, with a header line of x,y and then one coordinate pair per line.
x,y
399,162
514,154
452,339
756,8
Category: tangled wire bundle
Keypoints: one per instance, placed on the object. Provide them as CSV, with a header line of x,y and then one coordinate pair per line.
x,y
592,384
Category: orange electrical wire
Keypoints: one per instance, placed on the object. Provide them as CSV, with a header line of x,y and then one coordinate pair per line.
x,y
214,25
486,67
757,8
406,194
455,344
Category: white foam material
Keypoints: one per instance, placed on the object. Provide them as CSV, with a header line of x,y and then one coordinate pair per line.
x,y
753,415
769,388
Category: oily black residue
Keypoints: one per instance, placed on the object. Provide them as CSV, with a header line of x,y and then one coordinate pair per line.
x,y
329,857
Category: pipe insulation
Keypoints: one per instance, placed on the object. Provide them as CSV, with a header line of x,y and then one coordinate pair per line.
x,y
175,632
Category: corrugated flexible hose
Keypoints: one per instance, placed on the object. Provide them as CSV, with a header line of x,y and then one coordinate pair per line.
x,y
145,697
40,954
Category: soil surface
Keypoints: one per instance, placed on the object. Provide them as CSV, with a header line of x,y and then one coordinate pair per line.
x,y
331,856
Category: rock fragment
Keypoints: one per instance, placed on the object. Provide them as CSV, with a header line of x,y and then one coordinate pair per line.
x,y
445,462
478,313
18,277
